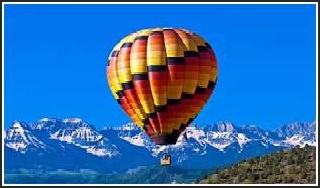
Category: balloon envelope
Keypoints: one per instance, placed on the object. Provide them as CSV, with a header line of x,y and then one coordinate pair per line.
x,y
162,78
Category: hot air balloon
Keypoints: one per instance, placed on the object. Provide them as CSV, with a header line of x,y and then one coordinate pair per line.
x,y
162,78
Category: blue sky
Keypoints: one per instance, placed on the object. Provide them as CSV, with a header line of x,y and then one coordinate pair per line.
x,y
55,58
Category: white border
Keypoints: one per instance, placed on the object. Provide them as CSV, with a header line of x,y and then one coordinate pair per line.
x,y
160,3
317,129
2,115
4,3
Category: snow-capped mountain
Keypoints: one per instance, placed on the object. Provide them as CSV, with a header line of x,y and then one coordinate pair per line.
x,y
306,129
20,137
297,134
127,146
76,132
72,130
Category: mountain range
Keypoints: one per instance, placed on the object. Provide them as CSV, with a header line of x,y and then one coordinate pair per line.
x,y
73,144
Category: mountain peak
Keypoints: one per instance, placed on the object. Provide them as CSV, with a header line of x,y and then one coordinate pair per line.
x,y
72,120
222,126
128,127
251,127
76,123
76,131
19,137
290,129
47,119
19,125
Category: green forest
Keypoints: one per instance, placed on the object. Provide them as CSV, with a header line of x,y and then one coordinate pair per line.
x,y
290,166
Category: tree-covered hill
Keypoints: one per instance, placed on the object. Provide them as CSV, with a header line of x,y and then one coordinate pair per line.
x,y
296,166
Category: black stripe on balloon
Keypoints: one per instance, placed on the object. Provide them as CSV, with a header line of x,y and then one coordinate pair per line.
x,y
211,85
175,132
126,44
167,29
145,127
120,93
108,62
151,115
208,45
143,76
216,80
166,139
161,108
182,127
173,101
157,68
118,100
141,38
202,49
191,54
189,121
145,122
186,96
175,60
156,33
128,85
114,53
200,90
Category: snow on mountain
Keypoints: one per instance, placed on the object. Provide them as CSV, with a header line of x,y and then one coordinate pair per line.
x,y
128,127
72,120
20,137
219,136
134,135
223,134
193,132
73,131
297,133
45,123
307,129
220,140
137,140
295,140
82,134
79,133
104,148
242,139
